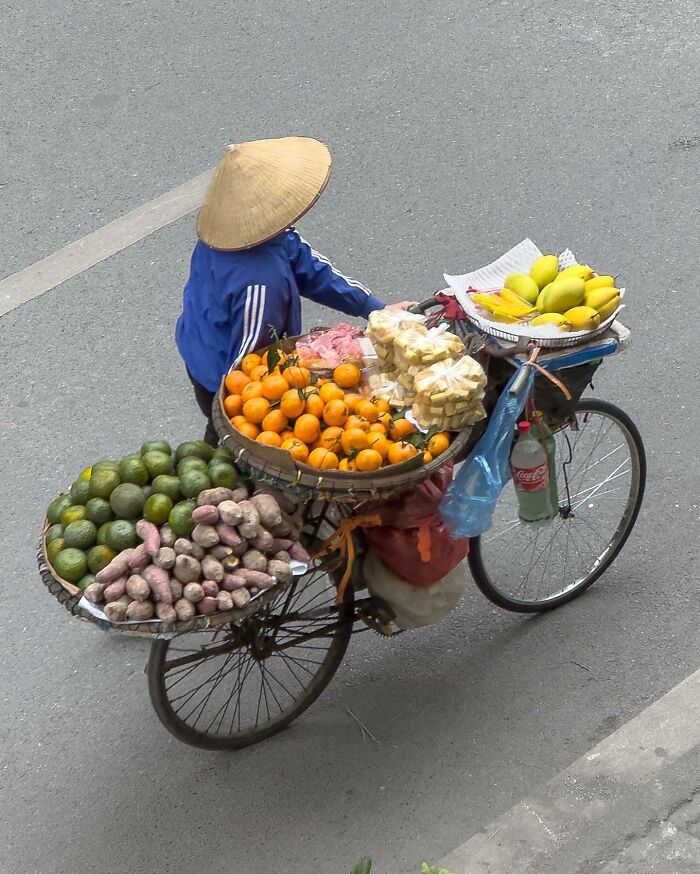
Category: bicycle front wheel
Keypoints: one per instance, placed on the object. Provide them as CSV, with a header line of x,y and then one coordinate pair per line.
x,y
601,473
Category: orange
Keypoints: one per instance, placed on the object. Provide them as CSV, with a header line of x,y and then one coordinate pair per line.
x,y
368,459
257,373
347,375
235,380
314,405
251,390
357,422
297,377
330,439
335,413
329,391
274,386
346,464
382,406
353,439
233,405
367,410
351,400
438,443
269,438
400,429
378,428
291,404
275,421
427,458
307,428
237,421
402,451
379,442
249,429
256,409
298,450
249,362
280,355
385,419
323,459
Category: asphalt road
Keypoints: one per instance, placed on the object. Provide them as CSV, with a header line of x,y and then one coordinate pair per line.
x,y
457,130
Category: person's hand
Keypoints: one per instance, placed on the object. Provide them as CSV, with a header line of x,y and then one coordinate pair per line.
x,y
403,305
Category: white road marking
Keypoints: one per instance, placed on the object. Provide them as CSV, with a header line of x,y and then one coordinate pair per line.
x,y
528,835
81,255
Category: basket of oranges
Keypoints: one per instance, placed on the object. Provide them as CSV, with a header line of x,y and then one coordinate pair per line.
x,y
320,436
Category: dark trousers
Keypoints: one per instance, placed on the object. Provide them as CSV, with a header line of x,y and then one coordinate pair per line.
x,y
205,399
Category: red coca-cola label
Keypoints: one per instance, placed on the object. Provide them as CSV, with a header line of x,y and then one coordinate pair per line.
x,y
531,479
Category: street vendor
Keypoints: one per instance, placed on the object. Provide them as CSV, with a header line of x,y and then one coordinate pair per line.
x,y
250,267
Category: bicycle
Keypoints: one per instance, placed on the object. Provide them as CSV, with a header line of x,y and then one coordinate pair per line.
x,y
245,682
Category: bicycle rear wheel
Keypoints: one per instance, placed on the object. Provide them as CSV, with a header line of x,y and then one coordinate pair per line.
x,y
601,473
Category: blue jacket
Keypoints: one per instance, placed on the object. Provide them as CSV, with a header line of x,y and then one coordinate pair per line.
x,y
234,302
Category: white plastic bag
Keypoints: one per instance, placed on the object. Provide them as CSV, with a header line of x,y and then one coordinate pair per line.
x,y
414,606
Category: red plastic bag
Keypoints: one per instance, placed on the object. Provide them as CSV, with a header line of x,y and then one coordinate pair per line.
x,y
416,546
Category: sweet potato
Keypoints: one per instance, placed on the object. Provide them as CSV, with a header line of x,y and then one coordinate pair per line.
x,y
264,541
193,592
95,593
268,510
227,535
231,563
286,504
240,494
206,515
253,590
159,581
165,558
207,606
240,597
166,612
116,568
230,513
298,553
167,535
184,610
282,556
137,588
139,557
224,601
115,590
214,497
240,549
175,589
231,582
254,560
280,544
140,611
150,535
210,588
250,525
116,611
198,551
187,569
255,578
220,551
280,571
212,569
205,535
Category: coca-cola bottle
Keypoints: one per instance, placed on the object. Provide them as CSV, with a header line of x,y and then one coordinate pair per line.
x,y
528,464
544,435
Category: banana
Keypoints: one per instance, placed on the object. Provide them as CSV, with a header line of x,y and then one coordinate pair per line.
x,y
600,297
600,282
581,271
583,318
552,319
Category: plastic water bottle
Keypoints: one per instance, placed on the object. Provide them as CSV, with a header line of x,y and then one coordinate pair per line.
x,y
528,464
543,433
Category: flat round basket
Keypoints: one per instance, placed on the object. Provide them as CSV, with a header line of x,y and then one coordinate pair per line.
x,y
70,596
276,467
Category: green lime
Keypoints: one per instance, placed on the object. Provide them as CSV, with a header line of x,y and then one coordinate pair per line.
x,y
72,514
85,581
70,564
53,548
127,501
167,485
157,509
99,557
180,519
222,455
98,510
192,482
186,450
80,491
222,474
54,532
105,465
121,535
103,482
102,533
204,450
80,534
156,446
188,464
158,463
133,470
56,508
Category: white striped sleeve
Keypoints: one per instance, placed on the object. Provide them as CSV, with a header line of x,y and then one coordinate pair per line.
x,y
253,315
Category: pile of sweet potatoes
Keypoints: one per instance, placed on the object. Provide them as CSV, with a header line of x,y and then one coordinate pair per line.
x,y
240,545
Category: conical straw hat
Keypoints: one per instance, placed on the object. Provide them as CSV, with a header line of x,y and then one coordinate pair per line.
x,y
260,188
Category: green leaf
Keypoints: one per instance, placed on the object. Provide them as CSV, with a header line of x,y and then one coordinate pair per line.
x,y
364,867
426,869
273,356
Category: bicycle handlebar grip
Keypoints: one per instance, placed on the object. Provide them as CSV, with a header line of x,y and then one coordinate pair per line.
x,y
519,381
424,306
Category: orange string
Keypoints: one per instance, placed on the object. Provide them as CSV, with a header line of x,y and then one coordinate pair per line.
x,y
424,542
341,541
